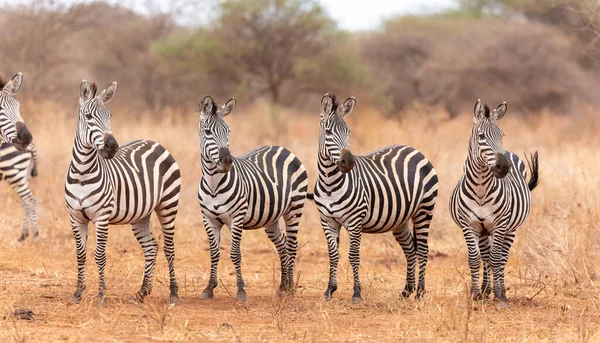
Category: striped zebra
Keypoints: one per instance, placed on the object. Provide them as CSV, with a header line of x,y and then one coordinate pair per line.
x,y
373,193
12,127
491,200
16,167
107,184
247,192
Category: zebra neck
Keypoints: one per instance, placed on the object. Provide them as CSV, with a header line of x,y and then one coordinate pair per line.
x,y
86,161
212,176
480,177
330,175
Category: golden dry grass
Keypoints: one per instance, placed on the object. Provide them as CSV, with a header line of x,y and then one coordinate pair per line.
x,y
553,272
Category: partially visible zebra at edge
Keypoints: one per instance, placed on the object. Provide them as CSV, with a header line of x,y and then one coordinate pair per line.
x,y
12,127
378,192
107,184
248,192
16,168
491,200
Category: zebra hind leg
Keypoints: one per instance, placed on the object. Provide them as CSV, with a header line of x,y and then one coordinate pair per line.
x,y
292,221
166,217
405,239
484,248
421,221
278,238
143,234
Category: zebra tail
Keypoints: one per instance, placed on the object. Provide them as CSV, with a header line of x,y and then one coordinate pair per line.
x,y
534,168
310,196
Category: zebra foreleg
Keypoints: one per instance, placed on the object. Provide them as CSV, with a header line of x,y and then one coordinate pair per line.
x,y
278,239
80,231
214,239
497,264
332,234
100,257
509,239
474,260
236,257
484,248
355,233
143,234
405,239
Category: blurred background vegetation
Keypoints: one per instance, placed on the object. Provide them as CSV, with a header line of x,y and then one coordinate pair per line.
x,y
535,54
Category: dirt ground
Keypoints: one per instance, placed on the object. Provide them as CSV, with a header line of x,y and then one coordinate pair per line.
x,y
552,274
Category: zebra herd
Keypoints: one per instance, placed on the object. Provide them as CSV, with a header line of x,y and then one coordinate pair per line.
x,y
381,191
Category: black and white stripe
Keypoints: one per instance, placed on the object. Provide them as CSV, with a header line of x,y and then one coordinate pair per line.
x,y
373,193
16,167
107,184
247,192
491,200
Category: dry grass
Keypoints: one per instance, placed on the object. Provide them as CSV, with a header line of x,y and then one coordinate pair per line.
x,y
553,274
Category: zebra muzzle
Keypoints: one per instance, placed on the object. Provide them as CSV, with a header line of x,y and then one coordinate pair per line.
x,y
225,160
502,166
110,148
346,161
24,137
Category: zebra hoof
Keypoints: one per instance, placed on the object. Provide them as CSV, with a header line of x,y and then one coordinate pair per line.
x,y
22,238
356,300
174,299
75,299
241,296
101,301
207,295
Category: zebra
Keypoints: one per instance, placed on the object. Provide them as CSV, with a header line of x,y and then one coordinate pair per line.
x,y
107,184
12,127
16,167
491,200
247,192
374,193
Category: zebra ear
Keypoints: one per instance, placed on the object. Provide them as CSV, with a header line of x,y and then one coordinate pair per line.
x,y
348,106
13,86
500,111
227,108
85,92
206,106
107,95
326,105
478,111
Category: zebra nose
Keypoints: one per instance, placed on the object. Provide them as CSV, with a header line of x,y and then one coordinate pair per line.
x,y
225,159
111,146
24,137
502,166
346,162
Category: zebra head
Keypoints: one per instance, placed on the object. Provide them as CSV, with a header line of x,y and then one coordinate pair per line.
x,y
12,127
94,119
334,133
214,133
486,139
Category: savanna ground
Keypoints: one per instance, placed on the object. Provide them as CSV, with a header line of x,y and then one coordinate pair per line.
x,y
552,275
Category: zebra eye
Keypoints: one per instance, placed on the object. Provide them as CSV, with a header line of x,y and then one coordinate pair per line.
x,y
481,136
207,131
328,131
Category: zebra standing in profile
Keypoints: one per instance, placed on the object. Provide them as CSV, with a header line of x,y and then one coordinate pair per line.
x,y
373,193
16,167
491,200
247,192
107,184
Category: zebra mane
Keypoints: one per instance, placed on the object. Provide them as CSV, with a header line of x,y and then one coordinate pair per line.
x,y
335,103
94,89
486,110
2,83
